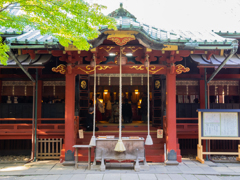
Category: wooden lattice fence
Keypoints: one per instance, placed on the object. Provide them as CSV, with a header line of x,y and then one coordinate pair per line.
x,y
49,148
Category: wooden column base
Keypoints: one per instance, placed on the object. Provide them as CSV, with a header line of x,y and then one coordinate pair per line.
x,y
199,154
238,158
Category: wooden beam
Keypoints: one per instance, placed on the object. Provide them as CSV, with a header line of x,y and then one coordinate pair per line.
x,y
114,69
39,100
23,76
0,89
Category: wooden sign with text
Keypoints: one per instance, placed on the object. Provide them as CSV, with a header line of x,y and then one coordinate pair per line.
x,y
159,133
81,134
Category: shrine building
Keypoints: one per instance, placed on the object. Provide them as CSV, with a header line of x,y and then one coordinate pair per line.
x,y
43,107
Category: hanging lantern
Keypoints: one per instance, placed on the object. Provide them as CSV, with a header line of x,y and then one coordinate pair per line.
x,y
105,91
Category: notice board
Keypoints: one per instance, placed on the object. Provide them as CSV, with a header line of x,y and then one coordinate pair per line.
x,y
217,124
220,124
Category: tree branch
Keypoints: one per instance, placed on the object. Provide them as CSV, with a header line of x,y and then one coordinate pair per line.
x,y
7,6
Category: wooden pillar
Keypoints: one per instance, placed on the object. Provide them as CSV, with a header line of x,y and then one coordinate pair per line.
x,y
202,100
202,89
39,100
69,140
171,140
202,94
0,91
0,88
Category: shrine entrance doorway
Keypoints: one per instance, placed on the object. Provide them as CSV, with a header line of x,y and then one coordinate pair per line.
x,y
134,89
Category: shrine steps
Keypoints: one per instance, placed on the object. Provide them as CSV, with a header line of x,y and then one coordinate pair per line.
x,y
128,126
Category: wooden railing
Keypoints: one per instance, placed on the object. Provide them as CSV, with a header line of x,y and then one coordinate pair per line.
x,y
50,130
184,130
188,129
30,119
24,130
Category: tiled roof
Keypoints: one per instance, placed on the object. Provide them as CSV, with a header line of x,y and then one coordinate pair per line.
x,y
126,21
228,34
173,36
5,32
25,60
13,32
32,37
216,60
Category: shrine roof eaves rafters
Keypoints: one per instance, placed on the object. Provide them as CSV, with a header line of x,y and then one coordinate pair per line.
x,y
215,60
38,61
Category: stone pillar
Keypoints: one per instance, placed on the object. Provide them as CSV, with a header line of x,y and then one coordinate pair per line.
x,y
70,137
171,139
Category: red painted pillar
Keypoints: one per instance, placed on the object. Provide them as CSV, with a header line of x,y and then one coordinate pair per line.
x,y
69,140
39,100
171,116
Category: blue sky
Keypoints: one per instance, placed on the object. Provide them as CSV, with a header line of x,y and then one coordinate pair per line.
x,y
214,15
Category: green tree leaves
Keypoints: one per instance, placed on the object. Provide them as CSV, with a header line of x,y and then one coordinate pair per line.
x,y
71,21
3,55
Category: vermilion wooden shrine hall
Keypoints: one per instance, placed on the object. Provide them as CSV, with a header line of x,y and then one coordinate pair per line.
x,y
188,70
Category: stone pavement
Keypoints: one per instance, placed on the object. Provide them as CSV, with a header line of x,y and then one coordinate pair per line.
x,y
53,170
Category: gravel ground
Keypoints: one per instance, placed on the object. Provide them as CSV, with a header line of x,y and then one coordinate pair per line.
x,y
215,158
231,158
14,158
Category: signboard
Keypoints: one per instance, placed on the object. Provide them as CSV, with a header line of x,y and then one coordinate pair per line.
x,y
159,133
220,124
217,124
81,134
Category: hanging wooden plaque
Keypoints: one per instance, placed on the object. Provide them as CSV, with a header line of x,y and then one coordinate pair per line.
x,y
81,134
159,133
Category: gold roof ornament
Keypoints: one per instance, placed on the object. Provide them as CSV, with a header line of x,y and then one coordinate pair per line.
x,y
121,12
121,37
180,69
61,69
